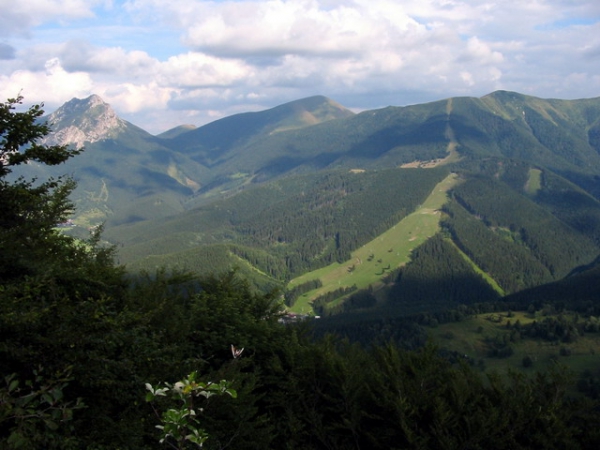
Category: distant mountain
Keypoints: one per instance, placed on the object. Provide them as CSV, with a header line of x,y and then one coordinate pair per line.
x,y
85,121
316,133
174,132
221,140
229,146
562,135
124,174
295,190
255,147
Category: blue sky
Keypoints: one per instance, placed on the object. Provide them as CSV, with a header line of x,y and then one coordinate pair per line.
x,y
164,63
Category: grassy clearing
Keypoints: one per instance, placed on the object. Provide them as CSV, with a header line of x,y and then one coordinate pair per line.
x,y
471,337
392,249
534,181
91,218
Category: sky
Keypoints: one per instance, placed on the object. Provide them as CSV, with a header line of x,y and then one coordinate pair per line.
x,y
162,63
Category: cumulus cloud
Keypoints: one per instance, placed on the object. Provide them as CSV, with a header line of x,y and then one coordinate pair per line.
x,y
19,16
196,70
52,86
332,43
82,56
277,28
132,98
479,51
301,28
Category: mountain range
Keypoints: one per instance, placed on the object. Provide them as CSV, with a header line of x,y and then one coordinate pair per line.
x,y
300,194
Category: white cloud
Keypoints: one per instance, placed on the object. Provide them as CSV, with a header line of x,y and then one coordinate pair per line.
x,y
82,56
467,77
196,70
17,17
132,98
481,52
277,28
52,86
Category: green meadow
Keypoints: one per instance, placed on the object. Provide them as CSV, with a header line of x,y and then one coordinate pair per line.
x,y
534,181
473,338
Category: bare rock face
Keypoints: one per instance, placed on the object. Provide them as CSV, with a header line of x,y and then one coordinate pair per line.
x,y
79,121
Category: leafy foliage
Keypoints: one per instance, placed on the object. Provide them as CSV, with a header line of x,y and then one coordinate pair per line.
x,y
180,425
19,133
30,210
32,410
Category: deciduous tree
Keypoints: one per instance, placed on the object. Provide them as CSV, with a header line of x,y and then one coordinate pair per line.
x,y
30,209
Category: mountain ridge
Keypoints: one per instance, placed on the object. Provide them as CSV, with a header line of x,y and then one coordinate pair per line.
x,y
212,141
284,191
201,163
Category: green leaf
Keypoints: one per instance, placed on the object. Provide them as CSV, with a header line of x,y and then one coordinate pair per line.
x,y
13,385
57,394
51,424
47,398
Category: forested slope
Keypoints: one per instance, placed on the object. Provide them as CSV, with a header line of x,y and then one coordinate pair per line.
x,y
287,227
507,227
498,237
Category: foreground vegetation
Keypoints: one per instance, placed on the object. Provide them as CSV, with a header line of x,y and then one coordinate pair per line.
x,y
83,344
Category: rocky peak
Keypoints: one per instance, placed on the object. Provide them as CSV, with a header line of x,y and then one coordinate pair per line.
x,y
83,120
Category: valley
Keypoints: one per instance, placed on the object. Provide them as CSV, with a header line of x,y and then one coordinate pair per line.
x,y
318,202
